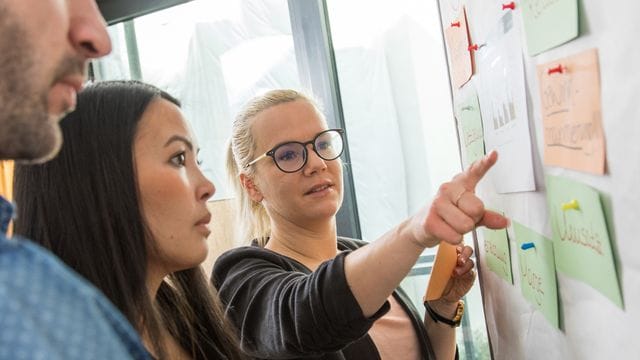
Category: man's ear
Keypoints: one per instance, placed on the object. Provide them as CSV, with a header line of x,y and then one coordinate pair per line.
x,y
251,188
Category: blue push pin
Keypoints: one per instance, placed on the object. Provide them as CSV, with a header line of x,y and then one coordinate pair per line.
x,y
527,246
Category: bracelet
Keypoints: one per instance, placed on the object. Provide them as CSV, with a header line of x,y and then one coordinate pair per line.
x,y
455,322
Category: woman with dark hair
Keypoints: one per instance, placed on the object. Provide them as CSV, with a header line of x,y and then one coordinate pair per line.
x,y
124,204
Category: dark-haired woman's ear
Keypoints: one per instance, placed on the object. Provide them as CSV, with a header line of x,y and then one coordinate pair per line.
x,y
251,188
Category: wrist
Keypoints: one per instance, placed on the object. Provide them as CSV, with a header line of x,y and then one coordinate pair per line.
x,y
408,231
443,307
445,318
418,234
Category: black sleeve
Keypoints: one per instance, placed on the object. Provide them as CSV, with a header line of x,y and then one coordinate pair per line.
x,y
283,312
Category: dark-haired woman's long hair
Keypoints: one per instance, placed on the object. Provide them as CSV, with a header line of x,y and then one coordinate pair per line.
x,y
84,206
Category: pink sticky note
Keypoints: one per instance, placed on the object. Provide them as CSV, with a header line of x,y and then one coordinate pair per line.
x,y
571,113
457,38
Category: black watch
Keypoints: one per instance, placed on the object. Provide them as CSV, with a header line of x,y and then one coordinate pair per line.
x,y
455,322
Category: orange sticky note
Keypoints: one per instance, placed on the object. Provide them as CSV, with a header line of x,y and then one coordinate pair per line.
x,y
571,113
457,38
6,185
443,266
6,179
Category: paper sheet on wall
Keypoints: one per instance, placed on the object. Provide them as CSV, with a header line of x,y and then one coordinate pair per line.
x,y
538,272
470,130
456,36
504,108
581,239
549,23
571,113
497,254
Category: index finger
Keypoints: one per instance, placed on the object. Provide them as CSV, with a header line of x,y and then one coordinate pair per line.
x,y
472,176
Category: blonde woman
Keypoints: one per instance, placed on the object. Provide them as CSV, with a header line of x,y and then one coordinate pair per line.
x,y
301,291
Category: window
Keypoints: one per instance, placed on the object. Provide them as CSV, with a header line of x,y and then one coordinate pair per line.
x,y
388,58
397,109
213,56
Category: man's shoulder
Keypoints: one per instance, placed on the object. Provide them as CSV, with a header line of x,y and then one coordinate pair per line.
x,y
28,267
46,308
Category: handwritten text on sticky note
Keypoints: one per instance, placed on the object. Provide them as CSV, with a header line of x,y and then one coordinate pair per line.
x,y
496,252
537,271
581,238
549,23
457,38
471,133
571,113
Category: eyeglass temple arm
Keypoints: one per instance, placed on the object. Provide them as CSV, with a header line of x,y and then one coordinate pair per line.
x,y
257,159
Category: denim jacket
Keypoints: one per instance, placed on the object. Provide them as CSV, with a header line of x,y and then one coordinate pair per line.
x,y
47,311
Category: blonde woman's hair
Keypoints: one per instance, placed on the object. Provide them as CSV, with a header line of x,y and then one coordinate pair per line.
x,y
252,219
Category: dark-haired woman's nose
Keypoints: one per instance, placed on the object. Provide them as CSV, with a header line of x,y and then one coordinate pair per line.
x,y
206,189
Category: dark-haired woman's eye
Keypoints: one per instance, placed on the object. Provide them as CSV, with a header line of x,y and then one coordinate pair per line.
x,y
179,159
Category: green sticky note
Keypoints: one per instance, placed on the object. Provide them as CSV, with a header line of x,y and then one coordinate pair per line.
x,y
496,252
581,239
537,272
471,134
549,23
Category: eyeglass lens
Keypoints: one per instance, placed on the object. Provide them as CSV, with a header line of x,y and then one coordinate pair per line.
x,y
292,156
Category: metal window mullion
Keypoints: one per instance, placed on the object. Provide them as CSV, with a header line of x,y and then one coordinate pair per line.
x,y
135,70
317,70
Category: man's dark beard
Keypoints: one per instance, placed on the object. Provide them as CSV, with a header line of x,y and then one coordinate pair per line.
x,y
26,132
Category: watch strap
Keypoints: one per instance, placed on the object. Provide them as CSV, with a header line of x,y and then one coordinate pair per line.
x,y
439,318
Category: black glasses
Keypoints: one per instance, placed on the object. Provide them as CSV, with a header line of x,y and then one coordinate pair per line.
x,y
292,155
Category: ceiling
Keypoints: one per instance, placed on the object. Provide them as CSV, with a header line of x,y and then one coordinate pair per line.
x,y
115,11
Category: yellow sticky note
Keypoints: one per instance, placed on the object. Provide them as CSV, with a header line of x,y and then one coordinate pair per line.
x,y
443,266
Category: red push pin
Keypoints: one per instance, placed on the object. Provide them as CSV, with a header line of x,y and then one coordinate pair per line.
x,y
473,47
455,24
511,5
558,69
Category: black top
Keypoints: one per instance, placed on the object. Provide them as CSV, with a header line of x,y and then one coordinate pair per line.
x,y
283,310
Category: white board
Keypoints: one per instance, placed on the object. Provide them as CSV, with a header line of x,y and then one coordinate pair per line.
x,y
592,326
